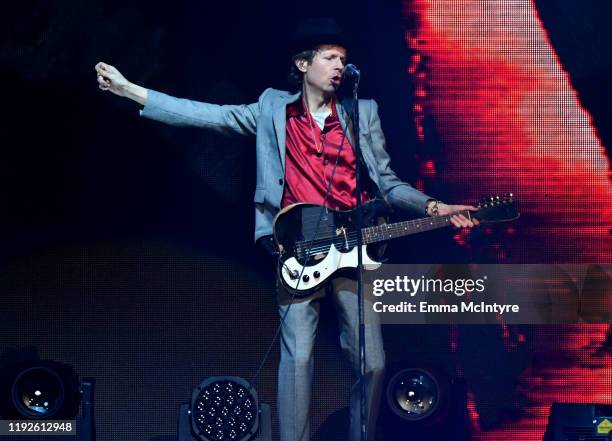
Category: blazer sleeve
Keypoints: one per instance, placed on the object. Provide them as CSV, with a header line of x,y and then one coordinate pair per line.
x,y
398,193
227,119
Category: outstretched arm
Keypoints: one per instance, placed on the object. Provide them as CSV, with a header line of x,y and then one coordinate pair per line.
x,y
228,119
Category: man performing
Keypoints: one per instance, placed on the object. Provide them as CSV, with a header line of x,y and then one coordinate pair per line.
x,y
301,146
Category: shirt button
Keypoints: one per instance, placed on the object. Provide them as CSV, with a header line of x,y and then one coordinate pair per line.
x,y
325,161
280,181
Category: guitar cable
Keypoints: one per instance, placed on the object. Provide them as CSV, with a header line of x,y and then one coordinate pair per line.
x,y
293,297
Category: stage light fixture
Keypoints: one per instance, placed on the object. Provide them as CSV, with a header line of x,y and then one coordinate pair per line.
x,y
424,401
40,389
413,394
47,390
225,409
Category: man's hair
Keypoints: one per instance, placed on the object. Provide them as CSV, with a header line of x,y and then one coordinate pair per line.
x,y
296,77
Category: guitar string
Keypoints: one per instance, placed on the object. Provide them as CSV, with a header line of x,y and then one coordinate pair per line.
x,y
382,231
350,240
375,233
425,220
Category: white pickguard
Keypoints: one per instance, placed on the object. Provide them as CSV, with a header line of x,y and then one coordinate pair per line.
x,y
333,261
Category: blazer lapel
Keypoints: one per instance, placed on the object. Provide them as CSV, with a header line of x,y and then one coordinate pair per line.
x,y
279,117
342,116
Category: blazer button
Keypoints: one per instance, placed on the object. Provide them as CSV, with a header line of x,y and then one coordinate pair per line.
x,y
280,181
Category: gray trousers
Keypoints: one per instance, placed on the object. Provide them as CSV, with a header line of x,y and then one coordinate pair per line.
x,y
295,370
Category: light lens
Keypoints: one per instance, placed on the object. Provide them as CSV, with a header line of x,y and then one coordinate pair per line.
x,y
38,392
224,410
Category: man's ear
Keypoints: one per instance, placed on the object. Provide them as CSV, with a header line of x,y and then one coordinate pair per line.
x,y
301,65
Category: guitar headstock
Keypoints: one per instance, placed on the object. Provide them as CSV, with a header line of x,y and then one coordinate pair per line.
x,y
497,209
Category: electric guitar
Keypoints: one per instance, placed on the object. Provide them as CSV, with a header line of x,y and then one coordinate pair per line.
x,y
315,243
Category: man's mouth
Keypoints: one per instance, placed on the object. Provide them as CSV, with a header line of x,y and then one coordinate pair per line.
x,y
336,80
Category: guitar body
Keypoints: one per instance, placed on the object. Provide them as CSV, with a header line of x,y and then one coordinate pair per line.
x,y
307,264
316,243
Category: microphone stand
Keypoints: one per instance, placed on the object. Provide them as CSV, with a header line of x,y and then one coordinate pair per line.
x,y
359,226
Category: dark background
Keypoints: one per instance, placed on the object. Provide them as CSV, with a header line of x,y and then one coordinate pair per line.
x,y
127,245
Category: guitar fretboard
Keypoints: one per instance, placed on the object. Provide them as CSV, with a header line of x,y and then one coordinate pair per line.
x,y
390,231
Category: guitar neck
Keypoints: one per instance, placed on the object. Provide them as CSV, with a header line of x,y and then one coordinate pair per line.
x,y
399,229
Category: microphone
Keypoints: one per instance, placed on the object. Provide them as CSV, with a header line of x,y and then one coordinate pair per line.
x,y
351,71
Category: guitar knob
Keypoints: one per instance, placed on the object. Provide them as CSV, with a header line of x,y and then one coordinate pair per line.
x,y
305,278
317,274
293,274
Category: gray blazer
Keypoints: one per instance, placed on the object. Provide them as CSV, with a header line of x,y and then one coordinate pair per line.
x,y
266,120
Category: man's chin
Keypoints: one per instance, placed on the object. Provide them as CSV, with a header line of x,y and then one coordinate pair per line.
x,y
328,89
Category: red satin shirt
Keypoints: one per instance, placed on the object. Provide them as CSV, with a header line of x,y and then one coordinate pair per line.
x,y
310,157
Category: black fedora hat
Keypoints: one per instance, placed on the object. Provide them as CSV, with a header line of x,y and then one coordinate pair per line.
x,y
313,32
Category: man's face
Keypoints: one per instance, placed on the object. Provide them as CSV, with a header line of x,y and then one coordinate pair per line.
x,y
325,71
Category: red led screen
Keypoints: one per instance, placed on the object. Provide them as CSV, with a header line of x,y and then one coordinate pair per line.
x,y
493,94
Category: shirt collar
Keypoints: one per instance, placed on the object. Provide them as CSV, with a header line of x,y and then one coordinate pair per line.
x,y
297,108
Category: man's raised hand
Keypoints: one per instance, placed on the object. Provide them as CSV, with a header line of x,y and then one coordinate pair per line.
x,y
109,78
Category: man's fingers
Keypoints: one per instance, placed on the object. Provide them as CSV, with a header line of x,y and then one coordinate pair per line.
x,y
461,221
104,68
465,221
100,71
465,207
107,68
103,83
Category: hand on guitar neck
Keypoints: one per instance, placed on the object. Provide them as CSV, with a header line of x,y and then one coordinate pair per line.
x,y
459,220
